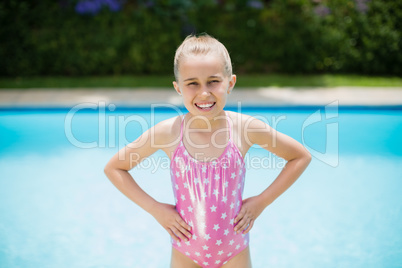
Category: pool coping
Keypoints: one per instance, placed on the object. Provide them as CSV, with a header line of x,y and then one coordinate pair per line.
x,y
140,98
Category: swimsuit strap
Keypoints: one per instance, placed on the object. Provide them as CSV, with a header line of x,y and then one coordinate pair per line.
x,y
229,125
181,128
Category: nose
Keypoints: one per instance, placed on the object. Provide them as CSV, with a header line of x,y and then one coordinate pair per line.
x,y
205,91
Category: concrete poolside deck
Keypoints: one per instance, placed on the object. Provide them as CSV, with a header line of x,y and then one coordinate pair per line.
x,y
267,96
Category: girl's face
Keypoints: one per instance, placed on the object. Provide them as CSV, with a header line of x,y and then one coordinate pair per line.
x,y
203,85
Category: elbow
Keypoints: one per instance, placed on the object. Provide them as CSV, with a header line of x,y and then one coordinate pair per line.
x,y
107,170
303,157
112,171
308,157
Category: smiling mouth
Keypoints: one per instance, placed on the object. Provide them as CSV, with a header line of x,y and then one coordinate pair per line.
x,y
205,106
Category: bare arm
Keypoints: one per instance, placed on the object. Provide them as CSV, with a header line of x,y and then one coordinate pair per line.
x,y
126,159
297,157
117,172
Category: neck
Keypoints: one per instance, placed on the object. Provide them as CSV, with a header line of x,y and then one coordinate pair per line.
x,y
202,122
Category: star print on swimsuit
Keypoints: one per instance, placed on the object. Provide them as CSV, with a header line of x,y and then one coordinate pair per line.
x,y
209,196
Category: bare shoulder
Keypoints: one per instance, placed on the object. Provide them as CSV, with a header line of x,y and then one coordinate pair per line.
x,y
160,136
167,131
248,130
253,130
245,121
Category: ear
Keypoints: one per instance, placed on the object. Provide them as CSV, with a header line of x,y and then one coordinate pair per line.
x,y
176,87
232,83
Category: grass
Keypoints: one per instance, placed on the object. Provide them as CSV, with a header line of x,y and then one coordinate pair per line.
x,y
252,81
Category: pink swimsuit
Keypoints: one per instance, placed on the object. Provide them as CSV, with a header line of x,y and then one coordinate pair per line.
x,y
208,197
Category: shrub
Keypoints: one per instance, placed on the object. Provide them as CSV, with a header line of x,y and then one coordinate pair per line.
x,y
107,37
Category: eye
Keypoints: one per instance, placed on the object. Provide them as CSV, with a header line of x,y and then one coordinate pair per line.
x,y
214,81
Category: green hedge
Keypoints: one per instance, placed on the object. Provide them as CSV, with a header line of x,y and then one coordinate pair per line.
x,y
290,36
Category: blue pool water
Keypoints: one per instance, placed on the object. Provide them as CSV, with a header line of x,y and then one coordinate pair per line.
x,y
57,208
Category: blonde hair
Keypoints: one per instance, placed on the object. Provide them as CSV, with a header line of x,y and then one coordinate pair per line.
x,y
202,45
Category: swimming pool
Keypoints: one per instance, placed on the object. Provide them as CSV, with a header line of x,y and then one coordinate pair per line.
x,y
57,208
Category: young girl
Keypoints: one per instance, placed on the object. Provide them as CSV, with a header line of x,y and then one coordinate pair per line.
x,y
210,222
